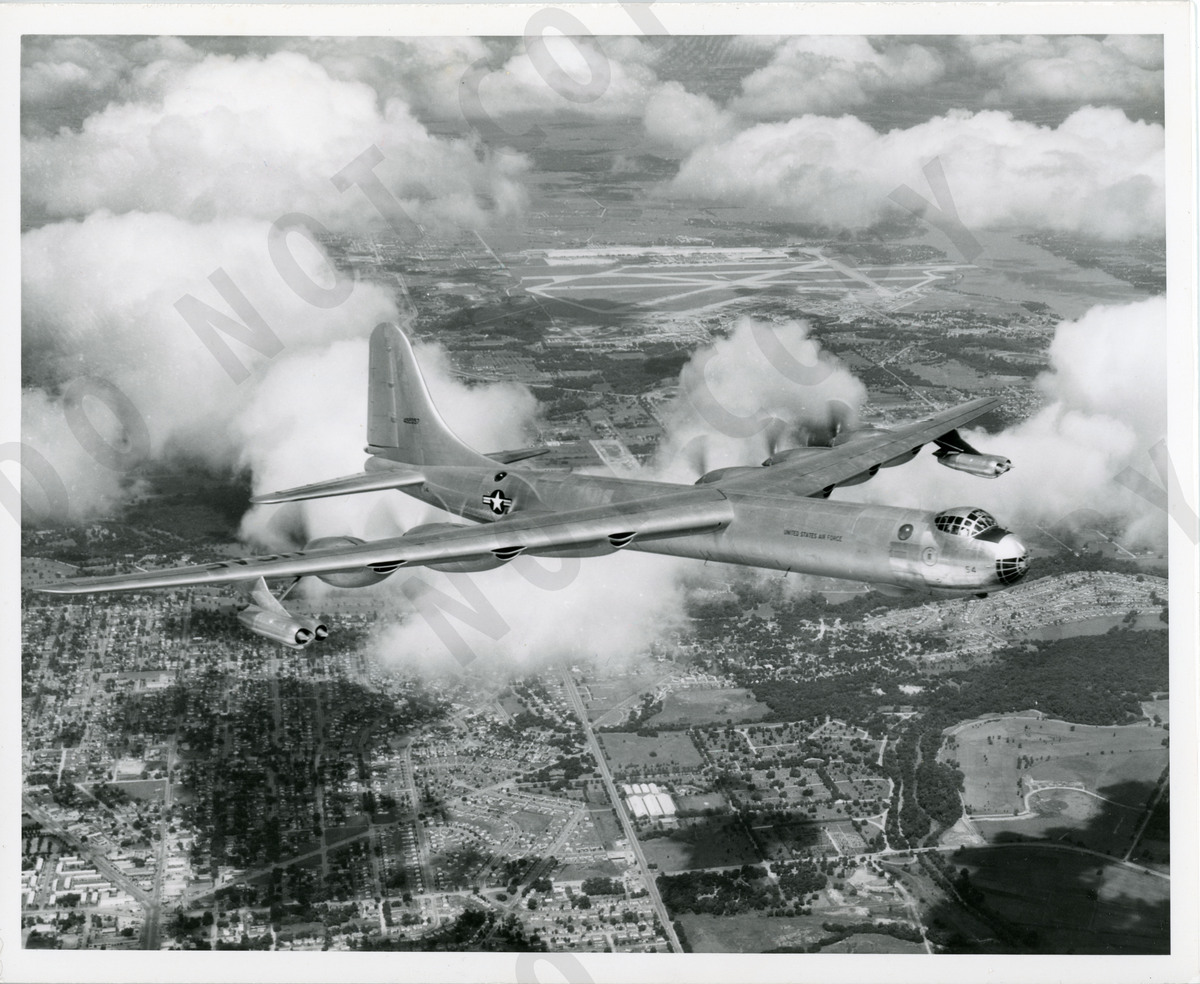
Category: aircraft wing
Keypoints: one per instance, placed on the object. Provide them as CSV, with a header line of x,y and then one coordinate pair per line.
x,y
813,473
595,529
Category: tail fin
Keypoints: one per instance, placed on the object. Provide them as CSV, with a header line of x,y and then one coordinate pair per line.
x,y
402,422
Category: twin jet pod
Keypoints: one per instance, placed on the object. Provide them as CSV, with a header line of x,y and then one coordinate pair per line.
x,y
777,516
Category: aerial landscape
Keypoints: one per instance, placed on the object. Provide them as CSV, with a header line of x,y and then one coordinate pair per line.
x,y
713,250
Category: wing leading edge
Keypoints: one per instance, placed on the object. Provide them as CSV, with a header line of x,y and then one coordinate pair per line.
x,y
598,528
813,473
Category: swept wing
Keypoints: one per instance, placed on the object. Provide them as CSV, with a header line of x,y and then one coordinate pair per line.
x,y
695,510
813,473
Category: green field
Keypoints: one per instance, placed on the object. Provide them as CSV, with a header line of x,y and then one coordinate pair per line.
x,y
649,755
999,757
709,707
699,802
709,843
1073,902
602,696
873,943
529,821
144,789
608,828
1070,814
749,933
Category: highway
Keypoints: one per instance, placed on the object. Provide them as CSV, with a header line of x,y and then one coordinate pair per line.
x,y
619,806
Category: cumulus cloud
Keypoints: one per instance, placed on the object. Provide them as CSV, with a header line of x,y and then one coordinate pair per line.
x,y
1106,408
99,299
826,74
610,609
1119,69
606,78
259,138
1098,172
764,387
680,120
66,79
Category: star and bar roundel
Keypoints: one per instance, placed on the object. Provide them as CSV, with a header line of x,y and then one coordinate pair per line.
x,y
498,502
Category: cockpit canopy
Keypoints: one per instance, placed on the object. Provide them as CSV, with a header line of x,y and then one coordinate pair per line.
x,y
965,521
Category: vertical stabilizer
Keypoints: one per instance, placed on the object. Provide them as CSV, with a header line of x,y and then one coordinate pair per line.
x,y
402,422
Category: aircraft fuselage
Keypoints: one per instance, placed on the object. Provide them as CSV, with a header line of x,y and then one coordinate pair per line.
x,y
885,545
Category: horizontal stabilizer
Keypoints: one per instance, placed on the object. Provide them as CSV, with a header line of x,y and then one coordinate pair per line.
x,y
373,481
508,457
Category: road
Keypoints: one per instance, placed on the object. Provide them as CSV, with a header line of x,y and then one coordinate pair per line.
x,y
619,807
1150,808
102,863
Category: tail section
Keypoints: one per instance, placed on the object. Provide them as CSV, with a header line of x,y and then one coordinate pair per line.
x,y
402,422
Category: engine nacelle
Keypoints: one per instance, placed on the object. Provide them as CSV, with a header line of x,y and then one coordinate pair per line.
x,y
981,465
354,578
487,562
291,632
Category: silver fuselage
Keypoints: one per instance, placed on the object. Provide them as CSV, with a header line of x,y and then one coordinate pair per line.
x,y
884,545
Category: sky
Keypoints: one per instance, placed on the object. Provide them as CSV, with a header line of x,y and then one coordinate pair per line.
x,y
155,169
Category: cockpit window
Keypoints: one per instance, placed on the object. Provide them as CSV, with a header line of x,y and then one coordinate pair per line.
x,y
964,522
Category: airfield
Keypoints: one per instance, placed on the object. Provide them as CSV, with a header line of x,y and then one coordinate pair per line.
x,y
703,280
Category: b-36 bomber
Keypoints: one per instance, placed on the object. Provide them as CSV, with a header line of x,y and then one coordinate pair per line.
x,y
777,515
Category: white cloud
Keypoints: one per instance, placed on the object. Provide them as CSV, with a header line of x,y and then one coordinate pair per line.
x,y
1098,172
1071,68
249,137
681,120
99,298
827,74
605,78
730,390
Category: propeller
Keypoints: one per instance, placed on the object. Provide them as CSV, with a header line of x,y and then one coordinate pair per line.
x,y
822,433
695,453
287,526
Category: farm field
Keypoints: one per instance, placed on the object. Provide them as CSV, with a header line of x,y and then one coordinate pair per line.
x,y
648,755
1073,903
709,707
1005,757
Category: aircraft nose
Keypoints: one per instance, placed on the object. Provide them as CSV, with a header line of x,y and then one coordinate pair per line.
x,y
1012,560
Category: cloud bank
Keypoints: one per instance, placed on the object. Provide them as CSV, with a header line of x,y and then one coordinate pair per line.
x,y
1097,173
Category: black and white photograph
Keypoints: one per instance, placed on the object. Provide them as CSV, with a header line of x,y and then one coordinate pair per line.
x,y
600,493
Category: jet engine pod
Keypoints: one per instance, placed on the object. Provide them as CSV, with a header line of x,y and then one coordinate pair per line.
x,y
352,578
318,628
469,565
982,465
277,627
